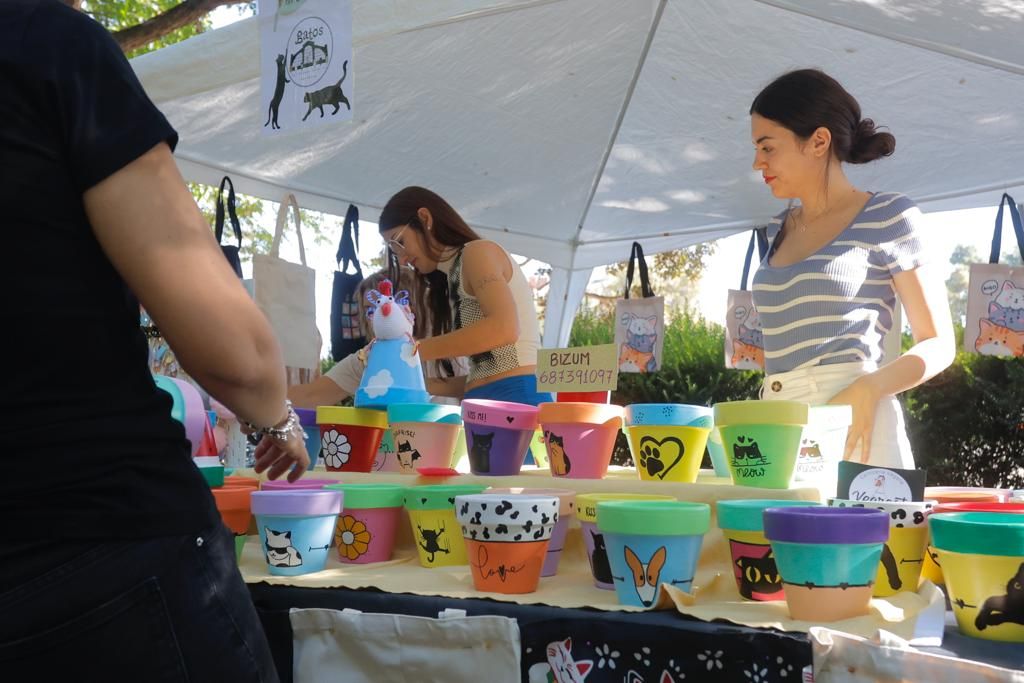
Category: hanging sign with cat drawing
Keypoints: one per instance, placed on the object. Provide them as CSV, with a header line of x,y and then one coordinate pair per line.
x,y
639,323
995,297
744,339
305,63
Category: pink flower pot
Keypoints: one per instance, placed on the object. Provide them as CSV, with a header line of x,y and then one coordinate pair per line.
x,y
580,437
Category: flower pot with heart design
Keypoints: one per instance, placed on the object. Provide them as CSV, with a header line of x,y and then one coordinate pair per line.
x,y
667,440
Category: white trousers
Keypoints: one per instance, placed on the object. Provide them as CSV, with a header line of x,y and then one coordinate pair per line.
x,y
890,446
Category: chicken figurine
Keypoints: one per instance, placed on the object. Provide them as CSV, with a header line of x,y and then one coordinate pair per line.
x,y
393,371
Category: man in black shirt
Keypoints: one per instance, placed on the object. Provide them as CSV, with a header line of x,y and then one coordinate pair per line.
x,y
114,558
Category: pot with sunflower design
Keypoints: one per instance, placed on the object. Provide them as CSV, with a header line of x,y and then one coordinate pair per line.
x,y
365,531
350,437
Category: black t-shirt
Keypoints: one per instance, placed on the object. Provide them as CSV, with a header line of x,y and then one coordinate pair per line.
x,y
88,448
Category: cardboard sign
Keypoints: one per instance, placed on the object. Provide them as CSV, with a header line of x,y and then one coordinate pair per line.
x,y
866,483
584,368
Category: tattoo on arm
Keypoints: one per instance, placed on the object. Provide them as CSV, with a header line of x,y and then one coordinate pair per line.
x,y
486,281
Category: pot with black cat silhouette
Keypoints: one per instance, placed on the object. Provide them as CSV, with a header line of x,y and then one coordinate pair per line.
x,y
498,434
762,440
296,528
424,434
903,554
986,503
982,558
435,530
828,558
593,540
667,440
651,543
580,437
350,437
753,563
566,512
507,538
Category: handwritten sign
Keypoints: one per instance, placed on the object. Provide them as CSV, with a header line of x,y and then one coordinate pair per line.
x,y
584,368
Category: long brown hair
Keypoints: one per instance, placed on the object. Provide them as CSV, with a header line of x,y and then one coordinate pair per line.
x,y
448,230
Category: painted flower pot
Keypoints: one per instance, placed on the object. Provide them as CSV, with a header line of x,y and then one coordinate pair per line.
x,y
580,437
822,445
306,484
932,569
650,543
435,530
211,469
762,440
365,531
350,437
593,539
392,375
233,503
295,528
753,562
507,538
965,494
539,450
903,554
238,480
584,397
828,558
667,440
566,511
498,434
716,451
424,435
982,557
186,407
307,418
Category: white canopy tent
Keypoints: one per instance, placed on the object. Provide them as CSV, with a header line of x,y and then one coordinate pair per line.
x,y
566,129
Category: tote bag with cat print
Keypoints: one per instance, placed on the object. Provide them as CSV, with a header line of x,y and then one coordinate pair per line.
x,y
995,296
639,323
744,340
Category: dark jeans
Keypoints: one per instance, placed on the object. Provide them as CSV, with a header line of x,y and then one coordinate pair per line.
x,y
160,609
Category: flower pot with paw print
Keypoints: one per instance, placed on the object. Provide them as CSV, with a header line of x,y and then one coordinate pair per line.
x,y
566,512
350,437
580,437
903,554
593,540
506,538
753,562
982,558
827,557
424,434
366,529
435,530
667,440
498,434
762,440
295,528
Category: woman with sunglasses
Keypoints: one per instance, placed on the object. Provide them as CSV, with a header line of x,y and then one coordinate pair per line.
x,y
479,301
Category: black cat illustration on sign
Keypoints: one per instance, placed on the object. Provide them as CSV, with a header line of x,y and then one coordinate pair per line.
x,y
331,96
275,102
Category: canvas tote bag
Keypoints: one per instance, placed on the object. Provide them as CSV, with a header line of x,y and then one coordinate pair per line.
x,y
346,333
744,339
230,251
995,296
286,293
639,323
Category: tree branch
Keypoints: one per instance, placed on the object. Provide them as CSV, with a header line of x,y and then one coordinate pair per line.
x,y
183,14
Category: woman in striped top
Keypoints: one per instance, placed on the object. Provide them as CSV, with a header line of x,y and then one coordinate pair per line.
x,y
826,292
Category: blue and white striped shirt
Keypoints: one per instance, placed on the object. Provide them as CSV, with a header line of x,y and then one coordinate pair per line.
x,y
836,305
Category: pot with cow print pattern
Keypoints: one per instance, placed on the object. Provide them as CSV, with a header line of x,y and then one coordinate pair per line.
x,y
507,538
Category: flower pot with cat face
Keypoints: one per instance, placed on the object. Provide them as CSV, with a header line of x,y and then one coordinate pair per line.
x,y
650,543
424,434
822,446
593,540
667,440
753,563
566,511
365,531
498,434
507,538
350,437
580,437
296,528
982,558
903,554
435,530
762,440
827,557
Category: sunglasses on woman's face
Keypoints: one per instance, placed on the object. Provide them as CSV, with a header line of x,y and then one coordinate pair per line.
x,y
393,243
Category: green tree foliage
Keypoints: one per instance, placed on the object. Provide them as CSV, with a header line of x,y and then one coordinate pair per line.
x,y
116,15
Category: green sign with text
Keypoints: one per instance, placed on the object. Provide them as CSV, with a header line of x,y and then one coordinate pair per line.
x,y
584,368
